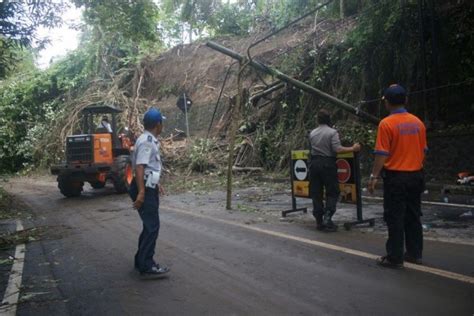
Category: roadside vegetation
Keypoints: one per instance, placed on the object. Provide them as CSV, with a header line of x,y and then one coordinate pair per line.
x,y
11,210
7,209
354,51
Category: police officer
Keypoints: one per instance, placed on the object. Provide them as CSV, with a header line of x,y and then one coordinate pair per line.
x,y
325,145
399,154
145,191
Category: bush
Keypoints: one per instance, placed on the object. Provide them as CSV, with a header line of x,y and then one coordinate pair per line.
x,y
200,155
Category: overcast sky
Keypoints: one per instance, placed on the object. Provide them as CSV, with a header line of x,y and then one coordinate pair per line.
x,y
63,39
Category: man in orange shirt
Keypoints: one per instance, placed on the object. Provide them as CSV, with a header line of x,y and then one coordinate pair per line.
x,y
399,155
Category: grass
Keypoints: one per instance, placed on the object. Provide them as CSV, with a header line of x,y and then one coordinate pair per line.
x,y
11,210
180,183
6,203
8,240
247,209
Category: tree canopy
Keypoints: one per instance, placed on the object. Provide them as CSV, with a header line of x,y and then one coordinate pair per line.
x,y
423,44
18,23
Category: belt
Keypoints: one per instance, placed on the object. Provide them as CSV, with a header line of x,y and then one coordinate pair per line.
x,y
396,172
402,171
315,157
134,182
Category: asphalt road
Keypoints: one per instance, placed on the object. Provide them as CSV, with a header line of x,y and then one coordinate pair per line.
x,y
83,265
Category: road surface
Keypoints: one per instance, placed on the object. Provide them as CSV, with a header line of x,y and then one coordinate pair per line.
x,y
223,263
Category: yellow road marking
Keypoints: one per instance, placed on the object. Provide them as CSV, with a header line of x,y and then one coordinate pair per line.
x,y
422,268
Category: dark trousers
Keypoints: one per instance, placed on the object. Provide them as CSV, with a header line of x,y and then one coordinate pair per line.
x,y
149,214
323,177
402,212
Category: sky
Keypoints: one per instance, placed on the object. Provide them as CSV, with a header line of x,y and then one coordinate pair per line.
x,y
63,39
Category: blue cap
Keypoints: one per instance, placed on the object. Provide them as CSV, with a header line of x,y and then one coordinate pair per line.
x,y
395,94
153,116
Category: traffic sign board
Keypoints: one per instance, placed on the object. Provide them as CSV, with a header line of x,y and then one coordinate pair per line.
x,y
301,170
343,170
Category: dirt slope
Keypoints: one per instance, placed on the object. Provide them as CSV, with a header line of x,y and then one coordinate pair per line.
x,y
200,71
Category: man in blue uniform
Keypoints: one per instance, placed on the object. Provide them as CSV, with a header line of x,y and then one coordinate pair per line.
x,y
145,191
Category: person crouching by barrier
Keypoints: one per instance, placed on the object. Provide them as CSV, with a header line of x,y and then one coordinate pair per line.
x,y
325,145
145,191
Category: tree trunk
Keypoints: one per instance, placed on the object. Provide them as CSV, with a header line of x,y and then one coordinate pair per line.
x,y
341,8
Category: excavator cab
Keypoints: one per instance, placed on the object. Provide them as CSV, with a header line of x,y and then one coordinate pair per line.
x,y
97,154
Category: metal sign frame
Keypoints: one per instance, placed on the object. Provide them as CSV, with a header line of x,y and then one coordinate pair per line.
x,y
294,207
358,190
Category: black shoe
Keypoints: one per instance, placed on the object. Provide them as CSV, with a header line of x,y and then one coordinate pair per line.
x,y
385,262
330,227
137,267
320,226
413,260
319,222
155,272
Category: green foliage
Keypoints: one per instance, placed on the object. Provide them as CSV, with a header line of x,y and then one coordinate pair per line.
x,y
294,62
133,20
23,61
200,155
384,47
213,17
280,12
268,142
30,104
351,132
119,33
232,19
189,16
375,44
20,108
19,21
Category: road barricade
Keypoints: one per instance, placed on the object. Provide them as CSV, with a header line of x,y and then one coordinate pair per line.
x,y
348,173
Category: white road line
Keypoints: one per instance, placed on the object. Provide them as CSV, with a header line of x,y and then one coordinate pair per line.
x,y
12,293
377,198
422,268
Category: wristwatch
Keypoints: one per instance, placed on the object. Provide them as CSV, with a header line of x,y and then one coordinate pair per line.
x,y
373,177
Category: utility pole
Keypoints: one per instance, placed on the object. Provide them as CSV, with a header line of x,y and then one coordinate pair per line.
x,y
434,58
341,8
186,114
294,82
232,133
423,56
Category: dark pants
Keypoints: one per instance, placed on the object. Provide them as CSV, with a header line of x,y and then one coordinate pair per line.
x,y
323,177
402,212
151,225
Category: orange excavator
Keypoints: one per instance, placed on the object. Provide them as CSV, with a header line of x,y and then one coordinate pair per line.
x,y
96,154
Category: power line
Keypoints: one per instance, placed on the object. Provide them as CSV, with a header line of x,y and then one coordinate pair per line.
x,y
339,24
219,98
469,80
285,27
